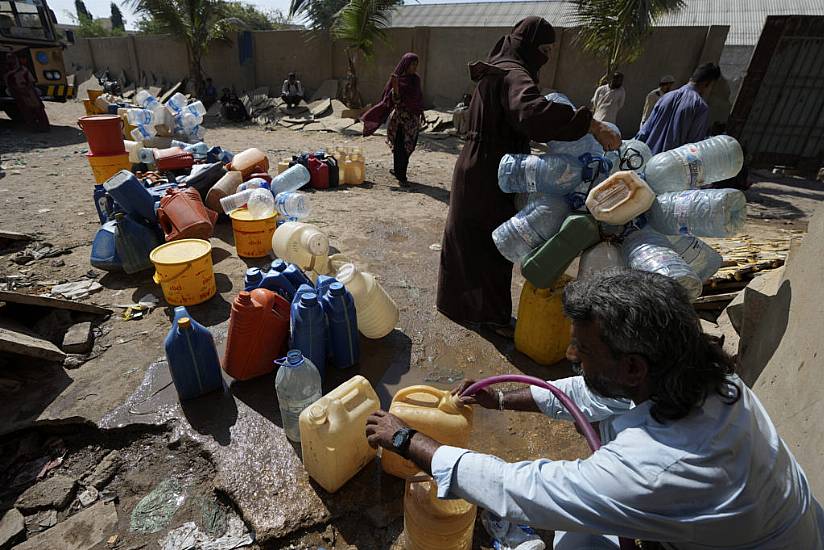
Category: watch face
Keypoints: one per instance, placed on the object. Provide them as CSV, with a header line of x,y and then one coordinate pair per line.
x,y
398,438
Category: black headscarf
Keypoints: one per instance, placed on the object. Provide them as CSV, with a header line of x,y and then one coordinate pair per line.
x,y
520,46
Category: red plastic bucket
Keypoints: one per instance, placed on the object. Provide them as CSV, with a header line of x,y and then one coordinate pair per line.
x,y
104,134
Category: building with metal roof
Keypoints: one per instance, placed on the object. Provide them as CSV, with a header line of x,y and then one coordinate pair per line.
x,y
744,17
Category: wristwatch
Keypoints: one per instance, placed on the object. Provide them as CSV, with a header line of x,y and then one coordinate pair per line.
x,y
401,440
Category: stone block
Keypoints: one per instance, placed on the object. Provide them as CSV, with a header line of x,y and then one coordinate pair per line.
x,y
78,339
11,528
54,492
82,531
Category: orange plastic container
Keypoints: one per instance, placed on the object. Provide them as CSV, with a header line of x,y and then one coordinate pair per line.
x,y
249,161
182,215
104,134
258,331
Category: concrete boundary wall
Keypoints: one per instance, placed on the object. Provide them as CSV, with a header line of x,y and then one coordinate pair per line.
x,y
444,53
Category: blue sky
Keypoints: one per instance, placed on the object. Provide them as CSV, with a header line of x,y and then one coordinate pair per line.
x,y
101,8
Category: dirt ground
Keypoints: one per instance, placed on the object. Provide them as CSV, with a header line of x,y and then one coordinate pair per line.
x,y
392,232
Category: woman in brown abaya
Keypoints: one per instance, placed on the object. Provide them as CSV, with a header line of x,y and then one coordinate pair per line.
x,y
506,112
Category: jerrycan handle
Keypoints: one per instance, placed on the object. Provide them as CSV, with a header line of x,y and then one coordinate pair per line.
x,y
355,392
445,401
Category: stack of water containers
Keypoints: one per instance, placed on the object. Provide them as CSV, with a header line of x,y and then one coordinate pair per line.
x,y
652,206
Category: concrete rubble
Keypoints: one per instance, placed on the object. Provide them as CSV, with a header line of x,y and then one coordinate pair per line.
x,y
82,531
54,492
12,527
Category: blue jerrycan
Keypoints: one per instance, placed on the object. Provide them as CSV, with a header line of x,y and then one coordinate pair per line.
x,y
252,279
309,329
134,242
323,283
296,276
278,265
192,357
104,252
339,308
129,193
278,282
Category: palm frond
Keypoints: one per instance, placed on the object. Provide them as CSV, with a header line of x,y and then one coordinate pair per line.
x,y
362,23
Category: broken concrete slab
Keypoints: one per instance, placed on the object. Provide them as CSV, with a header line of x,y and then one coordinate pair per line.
x,y
54,492
82,531
15,338
104,471
786,352
12,527
78,339
320,108
45,519
328,89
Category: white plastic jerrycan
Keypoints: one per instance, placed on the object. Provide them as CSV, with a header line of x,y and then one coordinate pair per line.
x,y
301,244
376,311
620,198
333,433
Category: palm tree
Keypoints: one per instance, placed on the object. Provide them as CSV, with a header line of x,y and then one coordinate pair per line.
x,y
197,22
361,24
615,30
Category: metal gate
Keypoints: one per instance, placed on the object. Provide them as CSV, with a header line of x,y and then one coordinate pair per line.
x,y
779,112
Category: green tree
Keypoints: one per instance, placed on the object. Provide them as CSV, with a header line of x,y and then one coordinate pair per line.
x,y
82,12
255,19
198,23
117,18
319,13
361,25
615,30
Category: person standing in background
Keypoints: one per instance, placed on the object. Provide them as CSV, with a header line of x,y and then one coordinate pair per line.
x,y
292,92
664,86
209,94
21,84
402,104
681,116
507,110
609,99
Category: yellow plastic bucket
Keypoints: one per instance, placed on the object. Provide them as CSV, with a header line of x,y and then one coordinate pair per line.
x,y
104,167
253,238
183,269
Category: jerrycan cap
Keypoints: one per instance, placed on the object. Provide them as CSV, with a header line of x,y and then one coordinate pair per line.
x,y
185,323
253,273
308,298
317,414
278,265
336,289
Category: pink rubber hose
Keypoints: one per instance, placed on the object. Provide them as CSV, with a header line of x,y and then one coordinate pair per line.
x,y
592,438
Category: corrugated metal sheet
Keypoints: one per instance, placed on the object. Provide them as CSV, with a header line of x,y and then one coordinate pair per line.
x,y
779,113
744,17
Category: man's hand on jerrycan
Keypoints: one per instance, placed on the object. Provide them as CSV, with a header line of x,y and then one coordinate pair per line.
x,y
485,398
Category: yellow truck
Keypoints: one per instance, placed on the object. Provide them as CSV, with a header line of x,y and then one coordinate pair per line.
x,y
27,29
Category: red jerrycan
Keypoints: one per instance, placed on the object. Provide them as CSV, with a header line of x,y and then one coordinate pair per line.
x,y
182,215
319,172
258,333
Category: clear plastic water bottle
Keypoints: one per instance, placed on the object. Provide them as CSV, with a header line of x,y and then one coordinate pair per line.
x,y
695,164
198,150
146,156
178,143
138,117
291,179
552,174
143,133
633,155
699,212
176,103
700,256
648,250
198,133
187,121
197,109
149,102
235,201
292,205
254,183
261,204
531,227
297,385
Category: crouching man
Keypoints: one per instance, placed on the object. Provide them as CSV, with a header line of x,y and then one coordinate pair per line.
x,y
689,459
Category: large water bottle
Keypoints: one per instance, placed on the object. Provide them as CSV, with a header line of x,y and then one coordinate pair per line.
x,y
699,212
187,121
293,206
196,108
198,150
553,174
235,201
261,204
149,102
695,164
701,257
531,227
297,385
198,133
143,133
633,155
146,155
137,117
254,183
176,103
291,179
648,250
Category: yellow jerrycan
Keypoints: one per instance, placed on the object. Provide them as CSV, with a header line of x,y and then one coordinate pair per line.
x,y
433,412
333,433
433,524
542,329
